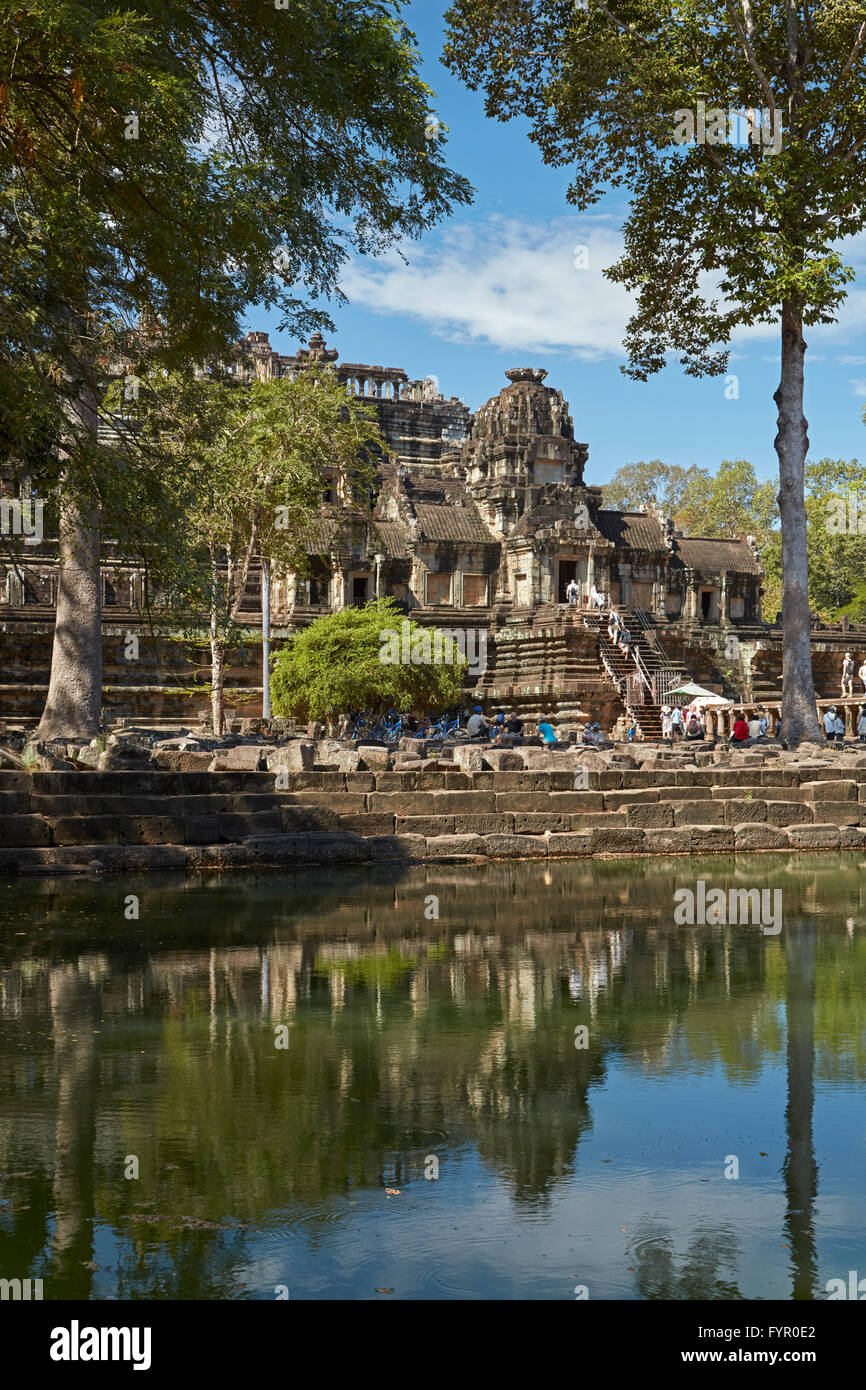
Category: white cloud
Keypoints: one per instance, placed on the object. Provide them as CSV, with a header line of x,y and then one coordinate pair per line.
x,y
519,286
512,285
858,386
852,359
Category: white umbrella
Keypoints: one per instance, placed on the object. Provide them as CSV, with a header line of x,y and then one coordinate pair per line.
x,y
697,692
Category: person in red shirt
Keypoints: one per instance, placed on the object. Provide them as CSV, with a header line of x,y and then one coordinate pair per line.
x,y
741,730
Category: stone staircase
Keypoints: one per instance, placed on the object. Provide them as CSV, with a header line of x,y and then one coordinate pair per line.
x,y
59,822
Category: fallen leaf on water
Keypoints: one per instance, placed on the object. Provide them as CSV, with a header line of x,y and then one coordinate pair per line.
x,y
761,1155
384,1290
393,1192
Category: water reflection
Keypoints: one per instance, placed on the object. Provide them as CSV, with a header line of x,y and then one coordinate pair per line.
x,y
416,1046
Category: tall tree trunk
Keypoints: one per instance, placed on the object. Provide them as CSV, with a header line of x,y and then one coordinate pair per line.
x,y
799,709
74,702
266,638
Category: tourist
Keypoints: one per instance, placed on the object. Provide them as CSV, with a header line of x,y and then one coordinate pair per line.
x,y
666,721
572,593
586,737
514,727
848,676
498,731
840,728
631,731
548,733
755,730
829,722
597,735
676,723
477,724
862,674
694,724
740,732
599,601
613,626
861,724
625,641
764,721
594,597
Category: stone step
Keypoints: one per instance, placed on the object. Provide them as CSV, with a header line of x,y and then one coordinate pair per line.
x,y
110,804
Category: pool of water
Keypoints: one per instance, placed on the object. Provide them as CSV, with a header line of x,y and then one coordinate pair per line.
x,y
514,1081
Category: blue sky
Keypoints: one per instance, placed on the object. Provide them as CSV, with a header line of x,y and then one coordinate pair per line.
x,y
497,287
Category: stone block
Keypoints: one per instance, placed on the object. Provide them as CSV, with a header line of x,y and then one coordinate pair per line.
x,y
783,813
201,830
424,825
754,835
455,846
538,822
515,846
373,759
814,836
398,847
852,837
614,800
836,812
236,827
667,841
465,803
480,824
503,760
700,813
712,839
338,849
569,845
650,816
18,831
297,756
245,758
469,757
829,791
740,812
617,840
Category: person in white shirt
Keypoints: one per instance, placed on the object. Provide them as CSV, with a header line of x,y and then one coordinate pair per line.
x,y
848,675
861,724
862,674
476,723
572,593
754,727
840,729
829,722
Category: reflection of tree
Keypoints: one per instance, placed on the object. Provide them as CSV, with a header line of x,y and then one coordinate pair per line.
x,y
406,1038
73,1016
707,1270
800,1168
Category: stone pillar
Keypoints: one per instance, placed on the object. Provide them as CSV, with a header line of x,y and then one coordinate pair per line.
x,y
849,721
590,568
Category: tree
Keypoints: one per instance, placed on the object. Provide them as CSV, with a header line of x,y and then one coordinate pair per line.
x,y
835,538
161,168
357,660
729,504
638,485
247,470
736,211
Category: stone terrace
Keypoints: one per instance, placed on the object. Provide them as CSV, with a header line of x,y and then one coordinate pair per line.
x,y
69,821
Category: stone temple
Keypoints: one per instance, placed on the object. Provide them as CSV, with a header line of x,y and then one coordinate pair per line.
x,y
480,521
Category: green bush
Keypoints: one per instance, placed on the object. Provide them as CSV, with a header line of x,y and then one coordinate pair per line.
x,y
340,663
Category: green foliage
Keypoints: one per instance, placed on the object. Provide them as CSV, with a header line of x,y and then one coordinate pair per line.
x,y
720,234
728,504
334,666
164,166
638,485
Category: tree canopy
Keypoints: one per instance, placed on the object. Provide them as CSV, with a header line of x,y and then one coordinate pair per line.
x,y
340,663
739,131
